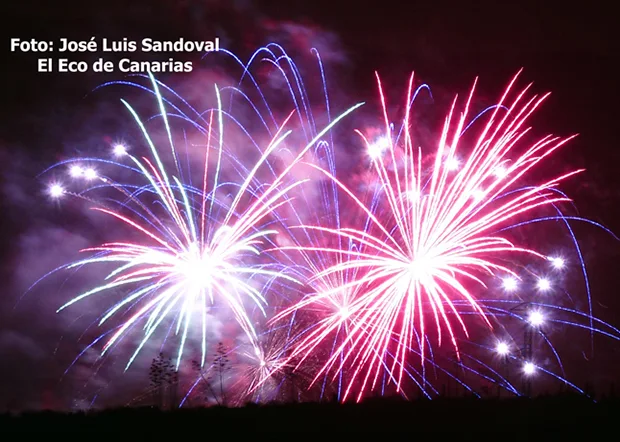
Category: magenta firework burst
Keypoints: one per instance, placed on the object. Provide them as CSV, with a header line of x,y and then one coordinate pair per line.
x,y
437,230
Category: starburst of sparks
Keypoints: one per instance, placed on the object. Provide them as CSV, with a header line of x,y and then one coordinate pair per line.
x,y
418,254
199,250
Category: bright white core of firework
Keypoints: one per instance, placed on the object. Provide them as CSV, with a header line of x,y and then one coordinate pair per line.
x,y
543,284
452,163
76,171
500,171
119,150
536,318
90,173
502,348
529,368
196,267
510,284
56,190
376,149
557,262
478,195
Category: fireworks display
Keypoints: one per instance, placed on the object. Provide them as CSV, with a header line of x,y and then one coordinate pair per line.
x,y
326,284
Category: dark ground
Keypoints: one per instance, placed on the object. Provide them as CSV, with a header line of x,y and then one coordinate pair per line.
x,y
545,418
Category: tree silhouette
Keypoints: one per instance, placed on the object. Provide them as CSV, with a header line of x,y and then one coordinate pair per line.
x,y
164,381
215,374
222,365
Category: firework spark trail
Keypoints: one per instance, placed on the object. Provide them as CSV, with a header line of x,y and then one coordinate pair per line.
x,y
434,240
203,256
264,360
266,366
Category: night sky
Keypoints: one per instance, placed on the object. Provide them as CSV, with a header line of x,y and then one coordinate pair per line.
x,y
569,50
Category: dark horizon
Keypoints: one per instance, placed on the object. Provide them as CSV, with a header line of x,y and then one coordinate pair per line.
x,y
563,416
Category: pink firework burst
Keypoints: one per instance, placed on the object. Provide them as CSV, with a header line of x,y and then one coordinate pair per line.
x,y
433,232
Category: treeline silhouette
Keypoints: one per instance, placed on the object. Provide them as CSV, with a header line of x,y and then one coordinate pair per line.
x,y
500,419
